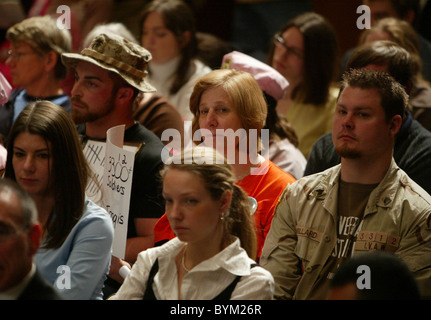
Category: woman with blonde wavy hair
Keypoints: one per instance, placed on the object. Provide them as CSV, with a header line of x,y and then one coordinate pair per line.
x,y
229,111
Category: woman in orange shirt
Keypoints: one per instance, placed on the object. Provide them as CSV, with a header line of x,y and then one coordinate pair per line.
x,y
229,113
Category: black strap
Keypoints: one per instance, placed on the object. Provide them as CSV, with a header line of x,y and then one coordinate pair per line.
x,y
149,293
227,293
224,295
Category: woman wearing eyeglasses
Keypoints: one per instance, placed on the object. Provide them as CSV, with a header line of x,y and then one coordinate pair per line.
x,y
35,66
305,52
230,112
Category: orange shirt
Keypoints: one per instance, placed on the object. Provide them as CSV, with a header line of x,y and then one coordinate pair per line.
x,y
265,188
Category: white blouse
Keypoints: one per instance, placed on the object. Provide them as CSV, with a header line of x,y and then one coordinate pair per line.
x,y
161,77
204,282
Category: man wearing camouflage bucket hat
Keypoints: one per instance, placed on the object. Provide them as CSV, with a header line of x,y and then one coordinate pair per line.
x,y
108,76
126,61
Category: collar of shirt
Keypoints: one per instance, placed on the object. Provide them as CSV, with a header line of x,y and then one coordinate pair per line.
x,y
14,292
161,76
233,258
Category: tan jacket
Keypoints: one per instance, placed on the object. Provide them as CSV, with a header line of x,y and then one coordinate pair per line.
x,y
303,232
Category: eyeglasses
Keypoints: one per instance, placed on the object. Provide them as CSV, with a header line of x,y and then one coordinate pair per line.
x,y
9,232
279,42
17,55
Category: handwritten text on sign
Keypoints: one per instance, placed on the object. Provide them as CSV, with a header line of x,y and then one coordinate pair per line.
x,y
117,186
112,166
94,152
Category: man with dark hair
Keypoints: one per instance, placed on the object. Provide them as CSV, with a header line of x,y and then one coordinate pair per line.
x,y
20,238
109,74
373,276
412,148
365,203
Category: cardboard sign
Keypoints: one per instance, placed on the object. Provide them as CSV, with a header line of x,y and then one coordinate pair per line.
x,y
94,152
112,164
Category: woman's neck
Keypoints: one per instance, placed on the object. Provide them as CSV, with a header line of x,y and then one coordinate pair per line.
x,y
45,207
242,170
197,252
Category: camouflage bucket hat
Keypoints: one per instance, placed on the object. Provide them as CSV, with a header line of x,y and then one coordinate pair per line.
x,y
116,54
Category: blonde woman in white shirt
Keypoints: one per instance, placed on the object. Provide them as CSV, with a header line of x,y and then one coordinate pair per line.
x,y
169,33
212,255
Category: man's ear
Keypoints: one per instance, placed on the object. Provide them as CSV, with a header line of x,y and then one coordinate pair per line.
x,y
125,94
395,124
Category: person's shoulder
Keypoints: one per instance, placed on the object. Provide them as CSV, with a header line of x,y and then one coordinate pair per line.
x,y
201,68
413,191
320,180
92,210
326,139
155,103
150,148
279,174
162,252
95,214
323,146
418,131
139,133
259,284
257,270
39,289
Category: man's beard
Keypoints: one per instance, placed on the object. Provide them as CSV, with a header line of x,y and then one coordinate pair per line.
x,y
346,152
79,116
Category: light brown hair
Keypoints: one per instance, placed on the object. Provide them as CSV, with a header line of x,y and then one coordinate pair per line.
x,y
243,91
218,177
43,35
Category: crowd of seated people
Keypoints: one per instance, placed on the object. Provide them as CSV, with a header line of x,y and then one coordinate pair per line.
x,y
254,178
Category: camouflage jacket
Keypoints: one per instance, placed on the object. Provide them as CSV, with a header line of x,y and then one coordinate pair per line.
x,y
303,232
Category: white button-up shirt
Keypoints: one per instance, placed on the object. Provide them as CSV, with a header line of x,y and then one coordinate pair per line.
x,y
204,282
